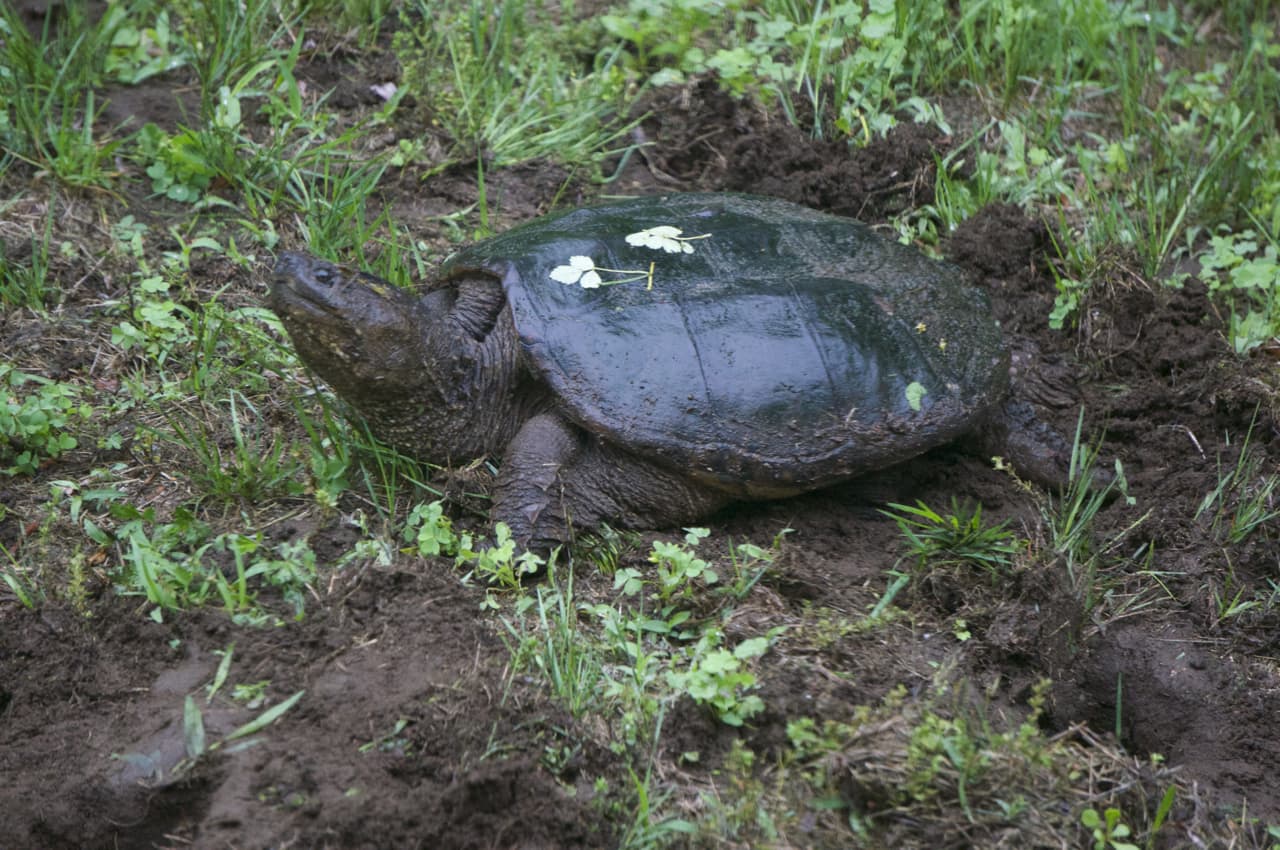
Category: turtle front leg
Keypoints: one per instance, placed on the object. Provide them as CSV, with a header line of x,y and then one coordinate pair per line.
x,y
529,494
556,479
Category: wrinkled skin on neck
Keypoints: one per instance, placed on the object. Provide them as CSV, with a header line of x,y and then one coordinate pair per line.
x,y
436,376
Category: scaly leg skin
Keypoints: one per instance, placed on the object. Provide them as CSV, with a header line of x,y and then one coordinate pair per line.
x,y
1038,452
557,478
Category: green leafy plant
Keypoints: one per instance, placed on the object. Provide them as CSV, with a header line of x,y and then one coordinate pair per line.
x,y
633,663
335,211
666,32
252,694
678,567
680,574
292,571
159,323
1207,162
1237,268
158,327
651,655
179,165
181,564
941,744
1231,597
497,564
1108,831
1162,814
183,166
719,678
329,456
978,172
391,742
35,426
138,52
229,41
196,742
748,563
430,530
845,59
168,583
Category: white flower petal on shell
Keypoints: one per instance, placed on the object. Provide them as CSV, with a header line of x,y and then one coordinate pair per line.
x,y
663,237
577,271
565,274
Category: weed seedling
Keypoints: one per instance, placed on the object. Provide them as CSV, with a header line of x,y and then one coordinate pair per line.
x,y
12,575
497,565
959,538
1071,520
1244,500
678,567
1108,831
553,645
257,465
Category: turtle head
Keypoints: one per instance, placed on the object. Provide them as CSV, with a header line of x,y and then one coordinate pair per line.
x,y
425,371
364,336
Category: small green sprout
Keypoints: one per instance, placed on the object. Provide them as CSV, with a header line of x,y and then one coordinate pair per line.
x,y
1107,829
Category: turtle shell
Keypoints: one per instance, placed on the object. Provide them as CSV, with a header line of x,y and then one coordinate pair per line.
x,y
770,348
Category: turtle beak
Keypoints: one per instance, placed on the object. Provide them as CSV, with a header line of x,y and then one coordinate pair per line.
x,y
291,265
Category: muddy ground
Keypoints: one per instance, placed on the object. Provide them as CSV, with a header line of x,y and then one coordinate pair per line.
x,y
411,733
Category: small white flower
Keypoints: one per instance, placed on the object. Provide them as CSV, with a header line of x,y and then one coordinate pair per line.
x,y
580,270
663,237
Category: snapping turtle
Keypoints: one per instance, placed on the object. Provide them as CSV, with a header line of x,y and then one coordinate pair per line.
x,y
645,362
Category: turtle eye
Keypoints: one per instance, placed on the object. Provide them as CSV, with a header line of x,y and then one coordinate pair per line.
x,y
324,275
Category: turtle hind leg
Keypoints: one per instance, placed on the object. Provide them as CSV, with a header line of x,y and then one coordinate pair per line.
x,y
556,479
1036,450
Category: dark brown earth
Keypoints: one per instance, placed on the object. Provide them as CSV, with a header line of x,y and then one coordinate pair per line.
x,y
91,701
